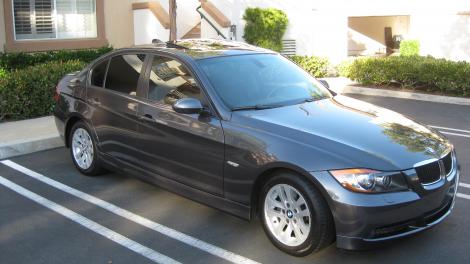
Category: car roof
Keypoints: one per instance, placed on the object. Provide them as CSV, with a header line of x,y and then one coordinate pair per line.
x,y
204,48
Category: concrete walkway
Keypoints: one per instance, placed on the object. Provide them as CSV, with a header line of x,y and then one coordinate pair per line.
x,y
27,136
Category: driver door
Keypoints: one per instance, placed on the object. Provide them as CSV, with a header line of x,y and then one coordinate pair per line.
x,y
187,148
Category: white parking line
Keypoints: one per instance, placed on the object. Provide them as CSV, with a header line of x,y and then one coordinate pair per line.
x,y
454,134
93,226
465,196
466,185
451,129
189,240
440,128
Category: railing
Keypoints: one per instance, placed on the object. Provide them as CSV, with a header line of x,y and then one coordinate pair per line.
x,y
210,23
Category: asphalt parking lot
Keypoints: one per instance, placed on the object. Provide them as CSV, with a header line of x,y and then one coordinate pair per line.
x,y
49,213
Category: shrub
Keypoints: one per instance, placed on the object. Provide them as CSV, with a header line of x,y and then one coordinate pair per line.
x,y
420,73
20,60
265,27
316,66
409,48
344,68
28,92
3,73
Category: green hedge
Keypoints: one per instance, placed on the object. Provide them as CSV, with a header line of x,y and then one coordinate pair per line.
x,y
28,93
316,66
420,73
20,60
265,27
409,48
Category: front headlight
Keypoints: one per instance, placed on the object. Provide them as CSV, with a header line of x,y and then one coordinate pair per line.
x,y
370,181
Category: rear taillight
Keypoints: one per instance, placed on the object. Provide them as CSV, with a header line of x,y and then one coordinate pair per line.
x,y
57,94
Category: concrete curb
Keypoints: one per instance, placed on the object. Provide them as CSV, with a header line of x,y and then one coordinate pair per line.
x,y
405,95
28,136
13,149
342,85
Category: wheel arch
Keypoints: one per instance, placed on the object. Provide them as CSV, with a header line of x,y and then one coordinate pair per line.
x,y
266,174
72,120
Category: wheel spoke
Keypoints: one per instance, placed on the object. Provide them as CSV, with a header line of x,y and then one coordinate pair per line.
x,y
302,226
297,231
282,194
273,203
289,197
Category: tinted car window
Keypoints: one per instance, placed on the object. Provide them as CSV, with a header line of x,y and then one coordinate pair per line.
x,y
98,73
124,72
262,79
170,80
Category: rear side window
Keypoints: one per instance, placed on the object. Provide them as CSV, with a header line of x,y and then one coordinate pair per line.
x,y
98,74
124,72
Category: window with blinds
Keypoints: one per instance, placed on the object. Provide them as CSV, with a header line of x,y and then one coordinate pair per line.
x,y
54,19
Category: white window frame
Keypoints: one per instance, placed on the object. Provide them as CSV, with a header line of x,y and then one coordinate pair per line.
x,y
55,34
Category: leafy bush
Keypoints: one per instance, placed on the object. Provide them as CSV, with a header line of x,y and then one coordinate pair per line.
x,y
265,27
409,48
3,73
316,66
344,67
28,92
20,60
420,73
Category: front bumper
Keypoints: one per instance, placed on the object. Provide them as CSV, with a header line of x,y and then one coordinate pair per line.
x,y
365,220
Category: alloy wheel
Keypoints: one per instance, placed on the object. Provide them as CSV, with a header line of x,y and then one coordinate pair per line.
x,y
287,215
82,148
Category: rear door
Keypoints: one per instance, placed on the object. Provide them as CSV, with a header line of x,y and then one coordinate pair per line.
x,y
188,148
113,94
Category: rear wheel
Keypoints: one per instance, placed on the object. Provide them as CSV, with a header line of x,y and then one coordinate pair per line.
x,y
295,216
83,150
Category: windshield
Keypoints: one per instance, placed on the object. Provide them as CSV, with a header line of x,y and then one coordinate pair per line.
x,y
260,81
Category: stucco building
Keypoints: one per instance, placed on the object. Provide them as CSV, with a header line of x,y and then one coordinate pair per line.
x,y
335,29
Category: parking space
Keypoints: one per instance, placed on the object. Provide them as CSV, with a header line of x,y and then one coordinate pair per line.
x,y
49,213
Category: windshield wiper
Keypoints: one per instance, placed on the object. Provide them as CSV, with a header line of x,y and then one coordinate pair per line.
x,y
256,107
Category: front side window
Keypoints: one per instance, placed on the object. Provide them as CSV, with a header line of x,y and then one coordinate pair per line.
x,y
124,73
170,80
261,80
54,19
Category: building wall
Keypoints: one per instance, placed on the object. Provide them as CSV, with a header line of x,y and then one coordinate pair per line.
x,y
2,28
147,27
373,26
119,24
442,35
317,30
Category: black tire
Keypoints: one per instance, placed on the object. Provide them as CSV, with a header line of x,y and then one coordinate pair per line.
x,y
96,167
322,231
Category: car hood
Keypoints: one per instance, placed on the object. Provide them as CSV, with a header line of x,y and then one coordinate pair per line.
x,y
360,133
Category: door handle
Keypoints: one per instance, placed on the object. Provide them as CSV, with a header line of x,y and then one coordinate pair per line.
x,y
147,117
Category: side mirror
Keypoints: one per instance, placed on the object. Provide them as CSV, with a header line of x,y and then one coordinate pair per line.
x,y
188,106
327,86
325,83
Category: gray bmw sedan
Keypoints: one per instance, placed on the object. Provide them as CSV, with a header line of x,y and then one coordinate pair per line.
x,y
247,131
